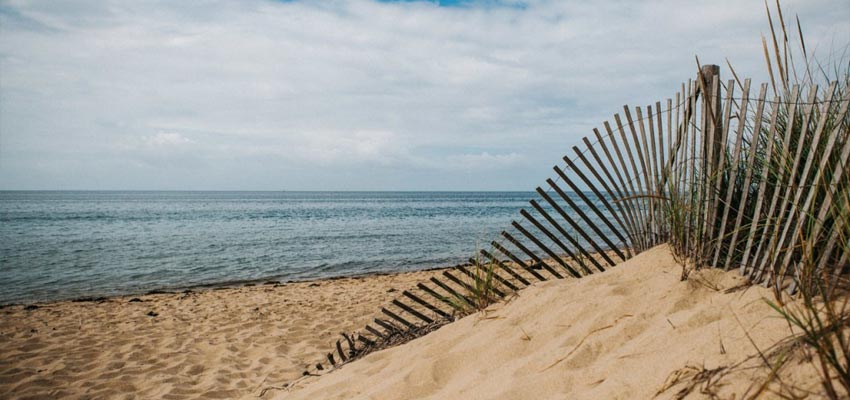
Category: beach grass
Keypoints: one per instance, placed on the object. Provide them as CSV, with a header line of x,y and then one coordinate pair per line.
x,y
480,289
813,297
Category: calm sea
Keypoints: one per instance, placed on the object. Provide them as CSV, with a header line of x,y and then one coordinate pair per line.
x,y
61,245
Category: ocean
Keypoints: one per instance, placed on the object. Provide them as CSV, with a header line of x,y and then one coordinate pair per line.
x,y
69,244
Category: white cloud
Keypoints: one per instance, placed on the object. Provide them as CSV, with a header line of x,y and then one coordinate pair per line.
x,y
166,139
483,160
350,147
400,94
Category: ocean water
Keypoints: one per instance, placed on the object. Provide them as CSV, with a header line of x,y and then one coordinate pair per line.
x,y
62,245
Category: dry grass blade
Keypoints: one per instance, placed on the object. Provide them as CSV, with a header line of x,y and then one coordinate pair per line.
x,y
589,334
706,379
769,65
734,75
803,45
779,66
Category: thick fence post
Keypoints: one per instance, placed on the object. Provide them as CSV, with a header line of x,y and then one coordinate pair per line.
x,y
710,145
711,122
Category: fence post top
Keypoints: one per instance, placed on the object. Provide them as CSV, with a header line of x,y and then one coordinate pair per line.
x,y
709,70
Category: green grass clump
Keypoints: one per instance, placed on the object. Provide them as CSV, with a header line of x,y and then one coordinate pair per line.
x,y
480,289
809,261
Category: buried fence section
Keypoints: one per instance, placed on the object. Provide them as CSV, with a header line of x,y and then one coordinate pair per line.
x,y
729,178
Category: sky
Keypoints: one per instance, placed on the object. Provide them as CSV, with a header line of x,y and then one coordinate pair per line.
x,y
348,95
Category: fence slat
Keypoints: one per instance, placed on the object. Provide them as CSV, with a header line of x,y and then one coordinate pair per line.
x,y
564,233
452,293
554,256
815,145
602,217
631,193
528,252
465,285
366,341
760,193
670,147
637,195
504,267
730,186
493,273
622,194
572,222
763,253
783,221
643,157
426,304
397,318
497,277
654,171
671,176
435,295
517,261
840,170
375,332
389,327
748,174
690,177
413,312
341,353
623,214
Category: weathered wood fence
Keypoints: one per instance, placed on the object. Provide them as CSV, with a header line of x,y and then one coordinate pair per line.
x,y
730,177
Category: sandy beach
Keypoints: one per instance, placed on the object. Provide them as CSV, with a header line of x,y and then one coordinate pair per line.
x,y
211,343
634,332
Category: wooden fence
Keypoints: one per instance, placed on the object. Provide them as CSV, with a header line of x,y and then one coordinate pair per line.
x,y
730,180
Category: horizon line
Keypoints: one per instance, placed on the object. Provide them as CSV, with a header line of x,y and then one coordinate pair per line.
x,y
262,190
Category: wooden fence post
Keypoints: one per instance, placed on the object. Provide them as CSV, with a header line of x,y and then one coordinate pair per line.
x,y
712,124
710,145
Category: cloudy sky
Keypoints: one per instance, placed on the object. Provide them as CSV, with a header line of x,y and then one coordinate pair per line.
x,y
347,95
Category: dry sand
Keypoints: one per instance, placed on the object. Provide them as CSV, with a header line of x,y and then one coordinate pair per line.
x,y
221,343
623,334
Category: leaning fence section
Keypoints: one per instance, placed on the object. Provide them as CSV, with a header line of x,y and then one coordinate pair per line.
x,y
729,175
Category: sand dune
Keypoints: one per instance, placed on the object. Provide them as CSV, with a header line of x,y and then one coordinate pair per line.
x,y
623,334
221,343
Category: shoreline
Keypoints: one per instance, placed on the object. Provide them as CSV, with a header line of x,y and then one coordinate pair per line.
x,y
270,280
232,284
